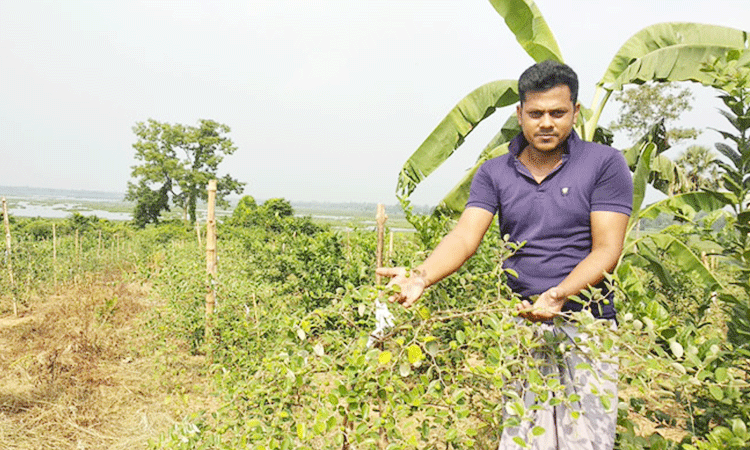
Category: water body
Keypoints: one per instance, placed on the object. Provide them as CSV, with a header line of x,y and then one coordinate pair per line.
x,y
25,208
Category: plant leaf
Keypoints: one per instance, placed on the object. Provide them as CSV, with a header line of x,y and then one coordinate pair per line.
x,y
453,129
685,258
640,177
730,153
531,30
670,51
686,203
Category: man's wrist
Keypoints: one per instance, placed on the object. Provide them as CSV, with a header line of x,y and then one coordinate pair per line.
x,y
562,294
420,273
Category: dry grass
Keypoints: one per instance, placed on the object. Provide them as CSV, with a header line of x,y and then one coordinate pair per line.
x,y
80,371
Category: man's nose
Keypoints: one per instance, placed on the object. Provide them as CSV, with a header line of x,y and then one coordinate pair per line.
x,y
546,121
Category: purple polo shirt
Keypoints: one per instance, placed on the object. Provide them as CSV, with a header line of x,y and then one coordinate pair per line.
x,y
553,216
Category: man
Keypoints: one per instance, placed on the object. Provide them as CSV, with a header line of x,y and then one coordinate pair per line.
x,y
570,201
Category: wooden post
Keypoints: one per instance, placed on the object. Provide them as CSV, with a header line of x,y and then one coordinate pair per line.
x,y
8,258
54,254
198,232
380,218
210,258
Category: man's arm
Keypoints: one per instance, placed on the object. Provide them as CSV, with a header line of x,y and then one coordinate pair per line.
x,y
607,236
455,248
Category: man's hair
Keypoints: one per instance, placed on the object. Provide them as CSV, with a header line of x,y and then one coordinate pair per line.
x,y
544,76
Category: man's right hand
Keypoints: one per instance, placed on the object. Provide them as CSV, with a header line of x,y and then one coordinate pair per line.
x,y
411,285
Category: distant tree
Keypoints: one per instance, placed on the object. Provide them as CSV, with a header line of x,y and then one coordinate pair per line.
x,y
647,104
178,161
245,213
245,207
277,207
149,203
701,172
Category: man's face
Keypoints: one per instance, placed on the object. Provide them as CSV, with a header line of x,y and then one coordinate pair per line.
x,y
547,117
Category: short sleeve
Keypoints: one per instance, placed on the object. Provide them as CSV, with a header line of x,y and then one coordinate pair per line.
x,y
614,187
483,192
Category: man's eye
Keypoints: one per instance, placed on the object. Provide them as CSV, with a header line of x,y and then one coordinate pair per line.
x,y
558,114
535,114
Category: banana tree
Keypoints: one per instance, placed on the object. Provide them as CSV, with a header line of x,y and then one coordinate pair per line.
x,y
642,250
662,52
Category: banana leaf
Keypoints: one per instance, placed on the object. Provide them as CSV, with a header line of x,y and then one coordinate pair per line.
x,y
452,131
531,30
676,63
455,200
640,178
656,134
677,250
685,258
670,52
664,174
646,258
686,205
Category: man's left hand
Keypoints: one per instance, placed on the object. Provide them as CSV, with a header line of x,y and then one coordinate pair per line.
x,y
546,307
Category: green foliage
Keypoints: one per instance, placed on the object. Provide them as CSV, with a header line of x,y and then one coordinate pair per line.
x,y
295,310
277,207
244,210
701,172
666,52
149,203
645,105
181,160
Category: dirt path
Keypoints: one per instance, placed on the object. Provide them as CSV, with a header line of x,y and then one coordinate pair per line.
x,y
81,371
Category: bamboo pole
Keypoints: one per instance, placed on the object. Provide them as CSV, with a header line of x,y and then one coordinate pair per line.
x,y
211,268
198,232
54,254
8,258
380,218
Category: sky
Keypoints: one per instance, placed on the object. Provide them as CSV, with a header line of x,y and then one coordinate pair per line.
x,y
325,99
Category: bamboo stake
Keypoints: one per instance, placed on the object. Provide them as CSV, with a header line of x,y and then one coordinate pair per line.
x,y
211,268
54,254
8,258
198,232
99,248
380,218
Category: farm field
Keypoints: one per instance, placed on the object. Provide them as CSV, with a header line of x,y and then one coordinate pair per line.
x,y
109,347
78,371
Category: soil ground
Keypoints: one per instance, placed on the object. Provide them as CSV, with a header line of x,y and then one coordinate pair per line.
x,y
81,370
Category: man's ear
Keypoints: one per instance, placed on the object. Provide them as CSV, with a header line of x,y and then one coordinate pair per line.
x,y
519,113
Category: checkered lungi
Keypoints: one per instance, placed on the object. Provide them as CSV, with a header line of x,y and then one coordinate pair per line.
x,y
592,379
